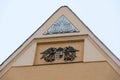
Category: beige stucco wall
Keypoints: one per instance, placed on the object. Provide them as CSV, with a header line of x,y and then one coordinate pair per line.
x,y
26,57
72,71
92,52
89,51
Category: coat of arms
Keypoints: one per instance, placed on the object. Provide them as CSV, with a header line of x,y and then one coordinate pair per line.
x,y
67,53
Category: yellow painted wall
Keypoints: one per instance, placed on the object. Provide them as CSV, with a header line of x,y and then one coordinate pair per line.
x,y
72,71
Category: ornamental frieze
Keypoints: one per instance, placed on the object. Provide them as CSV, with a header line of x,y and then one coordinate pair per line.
x,y
52,54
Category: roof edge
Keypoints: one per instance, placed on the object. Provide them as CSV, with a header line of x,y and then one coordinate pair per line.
x,y
44,23
31,36
94,34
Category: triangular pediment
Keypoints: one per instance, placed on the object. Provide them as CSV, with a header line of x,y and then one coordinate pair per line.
x,y
61,31
62,22
62,25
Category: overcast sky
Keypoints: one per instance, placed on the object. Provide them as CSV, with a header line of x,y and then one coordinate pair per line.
x,y
20,18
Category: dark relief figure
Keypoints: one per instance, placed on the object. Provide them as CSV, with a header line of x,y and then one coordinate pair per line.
x,y
51,54
69,53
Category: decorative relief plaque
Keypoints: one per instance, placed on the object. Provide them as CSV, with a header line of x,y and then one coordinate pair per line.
x,y
52,54
59,52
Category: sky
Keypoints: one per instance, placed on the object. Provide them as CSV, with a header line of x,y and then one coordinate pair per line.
x,y
20,18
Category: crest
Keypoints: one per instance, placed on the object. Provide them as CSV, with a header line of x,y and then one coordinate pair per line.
x,y
52,54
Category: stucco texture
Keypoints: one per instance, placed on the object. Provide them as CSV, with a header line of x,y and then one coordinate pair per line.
x,y
71,71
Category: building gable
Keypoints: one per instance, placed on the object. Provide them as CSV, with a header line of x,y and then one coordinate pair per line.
x,y
62,39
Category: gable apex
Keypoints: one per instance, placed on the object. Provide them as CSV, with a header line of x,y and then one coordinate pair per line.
x,y
70,17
